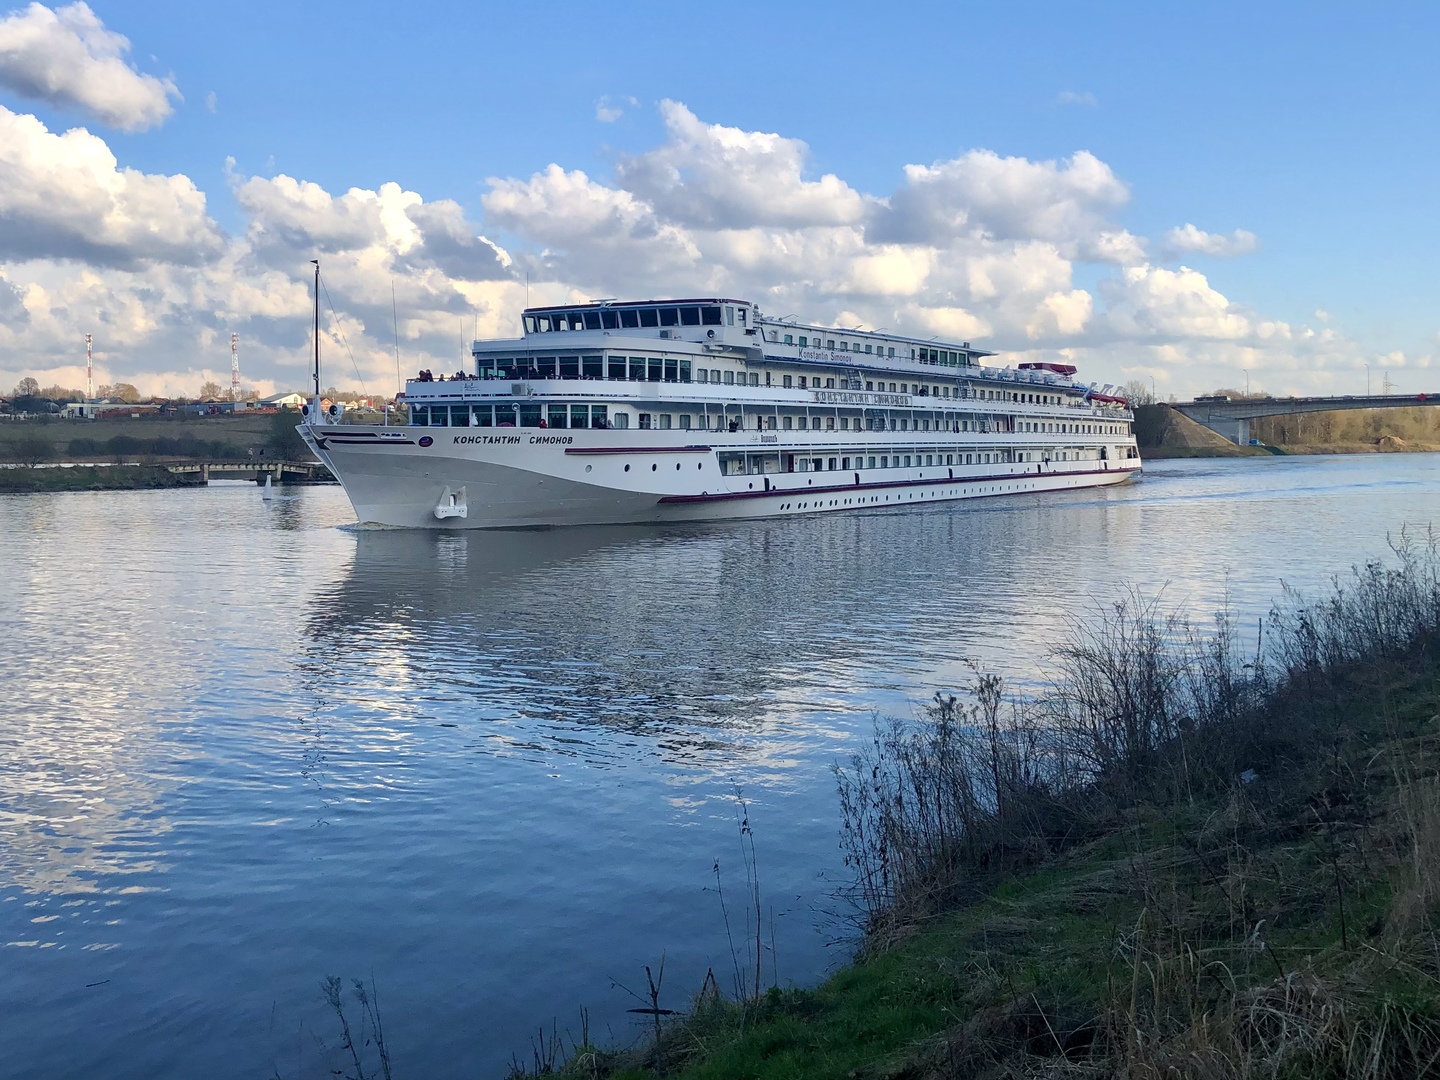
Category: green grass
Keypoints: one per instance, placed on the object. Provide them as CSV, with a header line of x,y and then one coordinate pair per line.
x,y
1193,925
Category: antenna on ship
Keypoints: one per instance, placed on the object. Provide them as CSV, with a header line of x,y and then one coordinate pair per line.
x,y
316,263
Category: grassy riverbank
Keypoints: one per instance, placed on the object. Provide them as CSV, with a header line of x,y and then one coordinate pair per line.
x,y
1186,858
92,478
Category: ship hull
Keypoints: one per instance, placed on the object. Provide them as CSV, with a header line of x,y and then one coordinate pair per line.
x,y
524,478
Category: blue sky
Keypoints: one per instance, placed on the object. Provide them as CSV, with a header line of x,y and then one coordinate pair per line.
x,y
1312,126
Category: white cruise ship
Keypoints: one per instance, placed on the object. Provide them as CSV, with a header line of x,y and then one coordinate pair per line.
x,y
668,410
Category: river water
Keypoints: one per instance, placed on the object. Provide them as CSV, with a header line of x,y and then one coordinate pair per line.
x,y
246,745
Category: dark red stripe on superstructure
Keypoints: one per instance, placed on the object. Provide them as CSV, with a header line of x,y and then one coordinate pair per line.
x,y
638,449
798,491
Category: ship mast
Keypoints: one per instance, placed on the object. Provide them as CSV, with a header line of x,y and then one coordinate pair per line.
x,y
317,332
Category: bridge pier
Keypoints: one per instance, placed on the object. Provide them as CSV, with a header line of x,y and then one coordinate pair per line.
x,y
204,474
1236,429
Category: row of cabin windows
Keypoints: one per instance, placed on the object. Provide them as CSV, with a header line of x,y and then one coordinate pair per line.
x,y
628,318
518,414
737,466
671,369
925,355
539,414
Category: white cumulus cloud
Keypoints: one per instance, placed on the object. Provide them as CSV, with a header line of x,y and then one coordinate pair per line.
x,y
66,57
1188,238
66,197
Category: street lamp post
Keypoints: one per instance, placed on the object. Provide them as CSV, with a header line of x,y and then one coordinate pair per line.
x,y
1367,380
1247,381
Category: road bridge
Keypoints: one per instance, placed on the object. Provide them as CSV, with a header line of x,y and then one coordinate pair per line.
x,y
1231,418
282,471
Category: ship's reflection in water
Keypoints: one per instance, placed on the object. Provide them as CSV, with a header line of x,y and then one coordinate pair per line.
x,y
247,746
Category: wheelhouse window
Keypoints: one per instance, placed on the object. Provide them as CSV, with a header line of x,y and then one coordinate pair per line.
x,y
530,324
729,316
710,316
669,316
689,316
610,320
629,319
577,320
649,317
592,320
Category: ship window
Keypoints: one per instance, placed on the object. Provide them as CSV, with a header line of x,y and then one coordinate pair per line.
x,y
483,416
621,421
459,415
829,343
616,367
419,416
528,413
597,417
685,422
664,421
709,316
530,324
577,320
669,316
804,341
592,320
630,319
788,381
815,423
729,378
802,382
672,370
789,339
729,316
770,423
872,463
579,416
684,370
569,367
644,421
609,320
557,416
829,423
702,375
892,352
714,375
789,423
689,316
867,347
649,317
754,378
655,369
829,384
637,369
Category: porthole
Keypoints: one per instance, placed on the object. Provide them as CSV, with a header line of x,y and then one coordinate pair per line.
x,y
627,468
589,467
654,467
677,466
